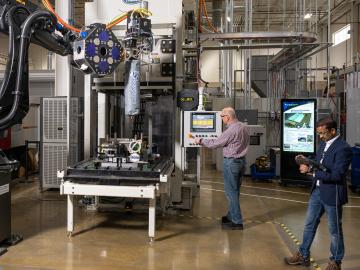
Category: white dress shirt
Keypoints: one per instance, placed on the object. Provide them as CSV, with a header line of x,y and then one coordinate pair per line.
x,y
327,145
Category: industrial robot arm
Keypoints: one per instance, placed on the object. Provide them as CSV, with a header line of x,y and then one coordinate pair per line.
x,y
96,50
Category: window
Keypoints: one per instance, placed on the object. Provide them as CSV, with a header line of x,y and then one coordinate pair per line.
x,y
341,35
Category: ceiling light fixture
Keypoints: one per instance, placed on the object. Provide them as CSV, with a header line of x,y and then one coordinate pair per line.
x,y
228,19
307,16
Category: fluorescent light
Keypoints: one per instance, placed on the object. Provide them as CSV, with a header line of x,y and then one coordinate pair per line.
x,y
307,16
228,19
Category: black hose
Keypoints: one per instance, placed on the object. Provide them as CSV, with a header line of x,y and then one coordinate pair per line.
x,y
11,64
15,114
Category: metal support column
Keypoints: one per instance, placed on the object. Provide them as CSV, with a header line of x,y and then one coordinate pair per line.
x,y
247,58
63,70
178,150
328,49
88,113
355,32
198,166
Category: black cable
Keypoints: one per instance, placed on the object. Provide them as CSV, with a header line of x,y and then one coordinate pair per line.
x,y
23,70
11,64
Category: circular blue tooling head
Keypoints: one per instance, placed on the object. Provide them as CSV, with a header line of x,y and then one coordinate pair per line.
x,y
103,66
115,52
90,49
104,36
97,48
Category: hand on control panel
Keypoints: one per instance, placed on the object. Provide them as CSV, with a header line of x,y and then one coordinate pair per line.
x,y
197,140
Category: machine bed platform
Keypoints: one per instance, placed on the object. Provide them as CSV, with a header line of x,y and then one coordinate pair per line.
x,y
90,171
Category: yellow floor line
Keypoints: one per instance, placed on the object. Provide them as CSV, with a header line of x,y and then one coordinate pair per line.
x,y
282,225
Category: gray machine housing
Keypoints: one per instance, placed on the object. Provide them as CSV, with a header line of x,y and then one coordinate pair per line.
x,y
54,153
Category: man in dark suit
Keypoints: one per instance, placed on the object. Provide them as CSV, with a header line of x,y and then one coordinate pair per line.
x,y
328,194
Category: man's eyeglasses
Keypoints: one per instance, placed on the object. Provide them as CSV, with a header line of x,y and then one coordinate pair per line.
x,y
322,133
222,115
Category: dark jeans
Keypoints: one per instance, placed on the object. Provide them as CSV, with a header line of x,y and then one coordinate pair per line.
x,y
233,170
315,210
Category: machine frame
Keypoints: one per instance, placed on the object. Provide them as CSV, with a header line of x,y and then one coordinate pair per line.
x,y
73,183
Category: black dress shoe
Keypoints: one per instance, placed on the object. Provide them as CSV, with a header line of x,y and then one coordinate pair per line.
x,y
232,226
225,219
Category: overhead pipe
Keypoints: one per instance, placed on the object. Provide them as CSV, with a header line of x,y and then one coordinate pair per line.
x,y
253,46
339,6
311,54
305,37
328,50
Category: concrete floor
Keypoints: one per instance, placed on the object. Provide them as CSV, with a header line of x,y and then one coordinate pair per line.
x,y
191,240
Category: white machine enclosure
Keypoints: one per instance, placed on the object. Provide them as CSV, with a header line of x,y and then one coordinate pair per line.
x,y
200,124
257,148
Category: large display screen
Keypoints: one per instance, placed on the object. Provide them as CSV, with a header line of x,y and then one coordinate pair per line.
x,y
203,122
298,125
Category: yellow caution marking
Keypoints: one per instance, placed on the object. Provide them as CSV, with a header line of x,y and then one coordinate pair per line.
x,y
297,242
282,225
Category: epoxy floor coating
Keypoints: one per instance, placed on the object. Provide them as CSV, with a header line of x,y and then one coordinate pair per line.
x,y
274,218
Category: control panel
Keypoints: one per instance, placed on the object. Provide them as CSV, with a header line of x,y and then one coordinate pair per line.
x,y
200,124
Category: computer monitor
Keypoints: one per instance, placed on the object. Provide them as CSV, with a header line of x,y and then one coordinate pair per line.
x,y
203,122
298,125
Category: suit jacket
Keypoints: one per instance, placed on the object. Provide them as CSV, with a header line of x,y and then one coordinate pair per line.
x,y
337,159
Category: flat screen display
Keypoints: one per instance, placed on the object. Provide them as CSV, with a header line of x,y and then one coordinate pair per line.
x,y
298,126
203,122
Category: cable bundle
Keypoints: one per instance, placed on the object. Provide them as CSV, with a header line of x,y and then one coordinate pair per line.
x,y
141,11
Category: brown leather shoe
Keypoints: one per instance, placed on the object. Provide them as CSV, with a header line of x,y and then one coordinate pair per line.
x,y
297,259
332,265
